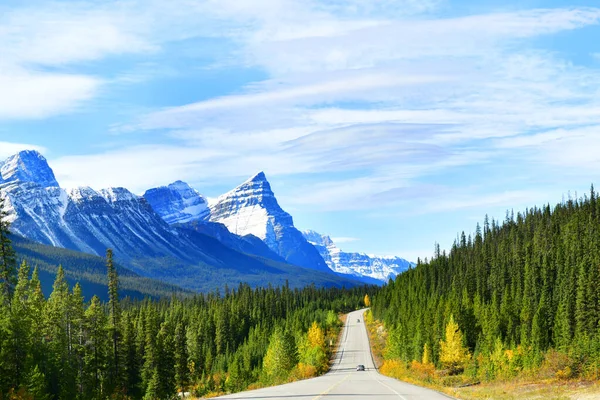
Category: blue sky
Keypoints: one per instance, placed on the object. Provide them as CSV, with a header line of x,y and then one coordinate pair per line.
x,y
390,125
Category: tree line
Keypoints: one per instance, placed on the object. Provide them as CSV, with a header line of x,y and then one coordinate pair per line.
x,y
63,347
515,297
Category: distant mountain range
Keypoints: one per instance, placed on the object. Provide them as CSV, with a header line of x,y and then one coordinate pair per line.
x,y
172,234
358,264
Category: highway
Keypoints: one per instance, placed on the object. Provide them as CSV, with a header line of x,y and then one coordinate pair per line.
x,y
343,381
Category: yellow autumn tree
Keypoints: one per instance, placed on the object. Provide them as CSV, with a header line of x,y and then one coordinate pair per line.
x,y
426,355
367,301
453,354
316,336
312,348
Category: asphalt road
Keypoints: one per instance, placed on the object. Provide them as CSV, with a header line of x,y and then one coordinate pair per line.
x,y
343,381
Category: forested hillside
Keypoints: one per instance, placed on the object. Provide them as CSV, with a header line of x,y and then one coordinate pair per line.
x,y
89,270
524,293
65,348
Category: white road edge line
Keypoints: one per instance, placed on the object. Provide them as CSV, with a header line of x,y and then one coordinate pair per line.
x,y
392,389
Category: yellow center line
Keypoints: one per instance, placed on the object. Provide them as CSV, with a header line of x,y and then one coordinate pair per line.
x,y
331,388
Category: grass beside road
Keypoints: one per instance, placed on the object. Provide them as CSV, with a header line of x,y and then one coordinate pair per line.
x,y
518,389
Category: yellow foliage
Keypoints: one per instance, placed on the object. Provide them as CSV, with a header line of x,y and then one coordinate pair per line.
x,y
423,371
426,355
393,368
303,371
316,337
566,373
367,301
453,355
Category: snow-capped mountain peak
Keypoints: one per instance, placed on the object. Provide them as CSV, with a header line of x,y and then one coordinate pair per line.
x,y
28,166
113,195
251,208
258,177
177,203
359,264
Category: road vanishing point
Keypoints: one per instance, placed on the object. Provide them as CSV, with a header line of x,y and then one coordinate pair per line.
x,y
343,381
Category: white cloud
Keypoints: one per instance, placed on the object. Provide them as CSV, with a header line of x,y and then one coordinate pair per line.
x,y
146,166
68,33
477,35
7,149
38,94
365,98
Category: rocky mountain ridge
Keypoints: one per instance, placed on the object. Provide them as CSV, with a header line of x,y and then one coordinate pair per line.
x,y
170,225
358,264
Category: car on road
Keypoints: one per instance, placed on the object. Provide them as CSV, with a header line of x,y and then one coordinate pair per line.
x,y
360,367
358,321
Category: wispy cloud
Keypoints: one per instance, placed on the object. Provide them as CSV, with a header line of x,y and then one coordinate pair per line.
x,y
9,148
371,100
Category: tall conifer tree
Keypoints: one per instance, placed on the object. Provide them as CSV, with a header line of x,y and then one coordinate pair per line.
x,y
7,255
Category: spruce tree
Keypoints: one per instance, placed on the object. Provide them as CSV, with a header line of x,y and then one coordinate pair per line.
x,y
37,386
37,305
114,316
7,255
95,349
78,329
281,356
21,325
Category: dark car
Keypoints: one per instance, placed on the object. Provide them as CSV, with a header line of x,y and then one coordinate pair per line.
x,y
358,320
360,367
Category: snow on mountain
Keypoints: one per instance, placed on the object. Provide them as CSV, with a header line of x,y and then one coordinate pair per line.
x,y
171,223
251,208
27,166
91,221
82,219
357,264
177,203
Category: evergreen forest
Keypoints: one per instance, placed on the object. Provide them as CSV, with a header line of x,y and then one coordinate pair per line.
x,y
64,347
517,297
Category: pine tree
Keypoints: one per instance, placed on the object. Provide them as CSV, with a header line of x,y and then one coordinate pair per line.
x,y
78,328
181,358
59,335
6,354
132,358
37,385
37,305
281,355
114,317
7,255
95,349
21,325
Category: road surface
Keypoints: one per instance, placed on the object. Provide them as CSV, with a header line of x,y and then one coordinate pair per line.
x,y
343,381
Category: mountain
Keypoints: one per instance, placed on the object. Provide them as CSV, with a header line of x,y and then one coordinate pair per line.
x,y
252,208
90,221
27,166
357,264
248,244
177,203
